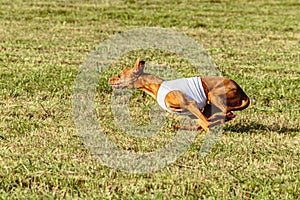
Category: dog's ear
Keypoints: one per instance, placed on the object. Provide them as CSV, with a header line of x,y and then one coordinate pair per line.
x,y
139,66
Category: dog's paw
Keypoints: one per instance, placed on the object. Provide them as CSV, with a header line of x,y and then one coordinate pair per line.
x,y
175,126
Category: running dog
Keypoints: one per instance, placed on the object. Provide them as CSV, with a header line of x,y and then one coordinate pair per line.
x,y
211,99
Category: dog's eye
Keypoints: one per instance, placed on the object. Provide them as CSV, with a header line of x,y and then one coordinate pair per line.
x,y
119,76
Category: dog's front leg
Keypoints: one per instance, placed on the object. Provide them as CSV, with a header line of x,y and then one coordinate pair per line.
x,y
177,101
202,120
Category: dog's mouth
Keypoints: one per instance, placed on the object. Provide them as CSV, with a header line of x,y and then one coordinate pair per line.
x,y
117,86
114,83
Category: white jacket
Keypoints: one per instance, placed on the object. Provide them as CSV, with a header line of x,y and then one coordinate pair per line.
x,y
191,87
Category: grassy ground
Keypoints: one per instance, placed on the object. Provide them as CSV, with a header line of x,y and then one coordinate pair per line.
x,y
43,43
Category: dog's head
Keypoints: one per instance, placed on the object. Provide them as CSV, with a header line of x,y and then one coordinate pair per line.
x,y
127,78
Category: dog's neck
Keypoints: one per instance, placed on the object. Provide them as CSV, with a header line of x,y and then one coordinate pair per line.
x,y
148,83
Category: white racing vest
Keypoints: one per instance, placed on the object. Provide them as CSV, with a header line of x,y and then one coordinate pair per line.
x,y
191,87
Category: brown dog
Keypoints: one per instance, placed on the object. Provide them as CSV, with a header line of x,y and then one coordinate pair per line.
x,y
215,96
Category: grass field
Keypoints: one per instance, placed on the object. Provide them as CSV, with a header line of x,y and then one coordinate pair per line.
x,y
42,45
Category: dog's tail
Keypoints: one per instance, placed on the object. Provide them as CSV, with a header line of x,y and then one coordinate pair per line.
x,y
245,104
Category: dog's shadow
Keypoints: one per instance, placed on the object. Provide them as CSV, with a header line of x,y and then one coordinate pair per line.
x,y
252,127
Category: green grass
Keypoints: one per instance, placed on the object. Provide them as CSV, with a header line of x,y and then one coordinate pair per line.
x,y
42,45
